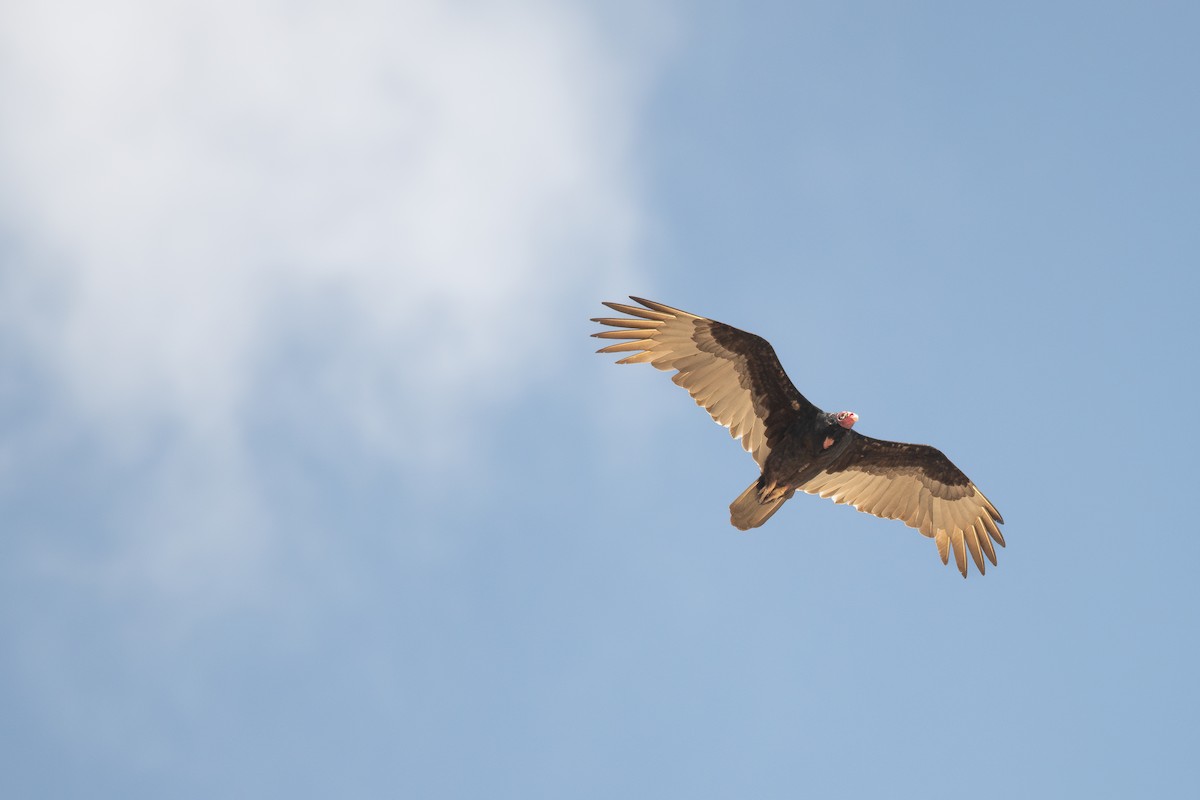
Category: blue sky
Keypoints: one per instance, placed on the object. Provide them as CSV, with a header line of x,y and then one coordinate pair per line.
x,y
313,485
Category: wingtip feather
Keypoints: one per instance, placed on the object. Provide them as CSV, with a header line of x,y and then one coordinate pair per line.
x,y
960,551
634,311
619,334
644,357
660,307
624,347
976,550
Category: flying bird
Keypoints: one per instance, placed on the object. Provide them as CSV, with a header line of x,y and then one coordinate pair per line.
x,y
737,378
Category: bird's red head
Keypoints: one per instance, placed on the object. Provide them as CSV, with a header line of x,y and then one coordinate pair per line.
x,y
846,419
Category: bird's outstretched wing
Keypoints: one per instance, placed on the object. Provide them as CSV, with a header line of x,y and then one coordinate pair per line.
x,y
733,375
918,485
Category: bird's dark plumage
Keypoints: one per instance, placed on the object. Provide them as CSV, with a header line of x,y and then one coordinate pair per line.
x,y
738,379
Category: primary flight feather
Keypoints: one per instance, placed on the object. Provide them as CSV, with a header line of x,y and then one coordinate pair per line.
x,y
737,378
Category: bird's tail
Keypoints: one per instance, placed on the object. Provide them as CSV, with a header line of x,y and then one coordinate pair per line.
x,y
749,510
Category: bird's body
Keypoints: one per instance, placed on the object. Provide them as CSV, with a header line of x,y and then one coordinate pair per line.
x,y
738,379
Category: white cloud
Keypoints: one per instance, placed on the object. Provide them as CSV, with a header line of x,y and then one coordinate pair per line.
x,y
192,188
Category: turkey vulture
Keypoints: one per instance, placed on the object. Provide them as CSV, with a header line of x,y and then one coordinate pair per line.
x,y
737,378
